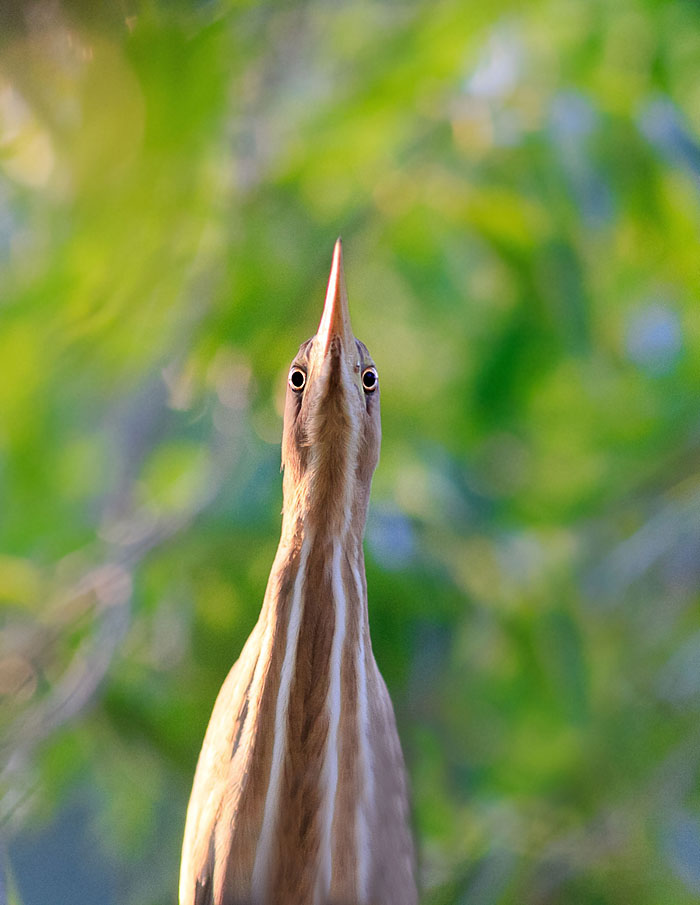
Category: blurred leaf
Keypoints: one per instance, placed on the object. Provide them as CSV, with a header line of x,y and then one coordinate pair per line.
x,y
517,190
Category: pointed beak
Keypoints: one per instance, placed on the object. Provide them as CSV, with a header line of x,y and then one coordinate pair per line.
x,y
335,321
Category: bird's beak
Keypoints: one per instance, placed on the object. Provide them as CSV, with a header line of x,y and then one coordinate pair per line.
x,y
335,321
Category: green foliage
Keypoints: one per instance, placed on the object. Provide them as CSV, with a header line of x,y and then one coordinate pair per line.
x,y
517,190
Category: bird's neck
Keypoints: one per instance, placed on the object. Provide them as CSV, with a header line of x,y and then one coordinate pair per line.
x,y
325,556
326,508
314,637
315,607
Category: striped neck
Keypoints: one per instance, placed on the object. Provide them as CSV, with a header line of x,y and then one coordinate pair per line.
x,y
316,606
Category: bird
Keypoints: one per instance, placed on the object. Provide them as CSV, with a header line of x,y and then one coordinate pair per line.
x,y
300,793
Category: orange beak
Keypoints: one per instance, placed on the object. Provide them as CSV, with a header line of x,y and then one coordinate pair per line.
x,y
335,321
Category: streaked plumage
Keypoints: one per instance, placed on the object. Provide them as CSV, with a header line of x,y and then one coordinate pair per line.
x,y
300,796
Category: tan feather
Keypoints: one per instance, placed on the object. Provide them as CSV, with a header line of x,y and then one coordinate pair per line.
x,y
299,797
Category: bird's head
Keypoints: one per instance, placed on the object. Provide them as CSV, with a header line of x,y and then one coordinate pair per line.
x,y
332,430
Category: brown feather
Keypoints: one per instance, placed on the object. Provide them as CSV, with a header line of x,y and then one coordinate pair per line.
x,y
299,796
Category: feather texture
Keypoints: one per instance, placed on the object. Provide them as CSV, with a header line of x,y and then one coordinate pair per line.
x,y
300,797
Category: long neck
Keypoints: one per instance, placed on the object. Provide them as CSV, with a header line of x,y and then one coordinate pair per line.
x,y
316,610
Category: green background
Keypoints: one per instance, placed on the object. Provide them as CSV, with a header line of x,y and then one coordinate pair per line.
x,y
517,187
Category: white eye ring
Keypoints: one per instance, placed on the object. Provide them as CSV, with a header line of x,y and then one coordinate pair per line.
x,y
297,379
370,380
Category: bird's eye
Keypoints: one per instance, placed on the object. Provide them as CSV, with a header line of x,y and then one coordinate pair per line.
x,y
297,379
370,380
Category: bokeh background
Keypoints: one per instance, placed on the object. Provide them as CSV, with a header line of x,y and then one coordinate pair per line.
x,y
517,186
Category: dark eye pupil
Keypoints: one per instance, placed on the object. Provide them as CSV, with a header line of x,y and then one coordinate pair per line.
x,y
297,379
369,380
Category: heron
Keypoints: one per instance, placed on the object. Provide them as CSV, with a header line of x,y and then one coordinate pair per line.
x,y
300,792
